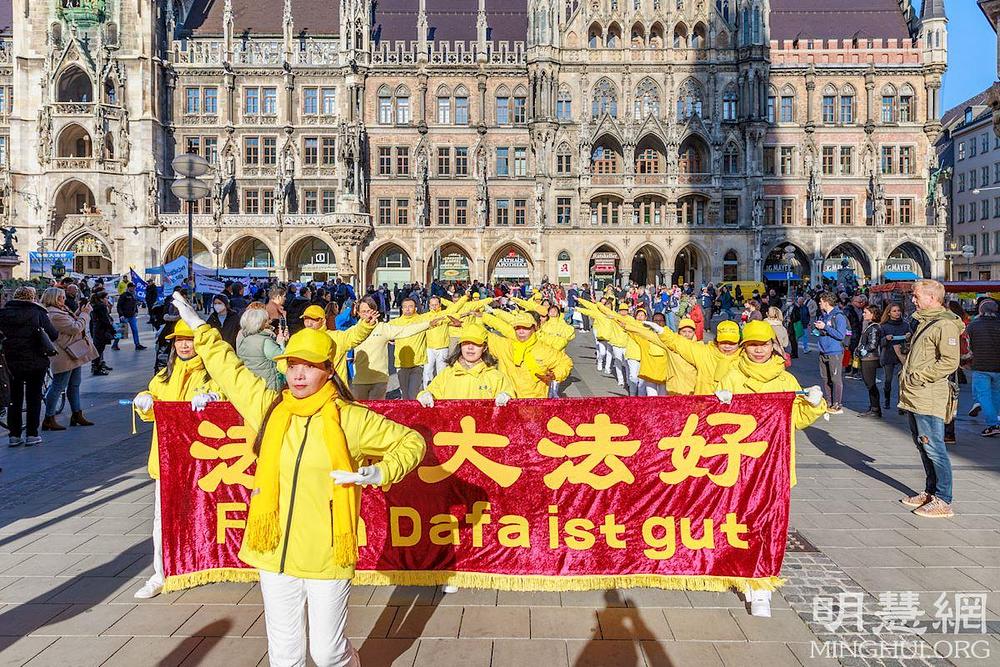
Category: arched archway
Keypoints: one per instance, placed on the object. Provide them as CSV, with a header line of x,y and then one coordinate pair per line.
x,y
248,252
311,258
74,142
647,264
604,266
179,248
390,265
730,266
782,268
510,262
450,263
72,198
92,257
907,262
857,261
690,266
74,86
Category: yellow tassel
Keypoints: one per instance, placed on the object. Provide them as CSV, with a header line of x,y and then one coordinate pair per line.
x,y
263,532
190,580
516,582
345,550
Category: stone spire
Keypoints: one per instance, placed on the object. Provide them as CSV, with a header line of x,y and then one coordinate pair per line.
x,y
288,26
422,27
481,26
227,26
932,9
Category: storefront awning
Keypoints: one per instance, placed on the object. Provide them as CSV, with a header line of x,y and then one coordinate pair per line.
x,y
780,275
901,275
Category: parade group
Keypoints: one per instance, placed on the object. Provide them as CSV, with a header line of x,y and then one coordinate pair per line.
x,y
294,360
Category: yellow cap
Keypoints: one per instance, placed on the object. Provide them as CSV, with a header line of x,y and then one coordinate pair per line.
x,y
623,306
758,332
727,332
522,319
472,333
181,330
686,322
314,313
310,345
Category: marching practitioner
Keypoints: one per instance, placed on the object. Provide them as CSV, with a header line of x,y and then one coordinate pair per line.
x,y
682,375
184,378
411,352
654,359
615,337
760,368
314,317
312,439
712,360
437,335
530,364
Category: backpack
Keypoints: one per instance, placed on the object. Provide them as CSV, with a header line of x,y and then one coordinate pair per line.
x,y
848,334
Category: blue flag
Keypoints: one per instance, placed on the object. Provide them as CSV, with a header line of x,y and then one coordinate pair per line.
x,y
140,285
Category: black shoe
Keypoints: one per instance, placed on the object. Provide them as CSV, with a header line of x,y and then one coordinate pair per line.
x,y
990,431
976,409
100,371
871,413
140,347
105,367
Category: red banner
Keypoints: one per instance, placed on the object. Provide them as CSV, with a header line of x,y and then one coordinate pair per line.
x,y
567,494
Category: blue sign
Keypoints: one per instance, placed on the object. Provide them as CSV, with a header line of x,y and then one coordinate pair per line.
x,y
41,262
140,285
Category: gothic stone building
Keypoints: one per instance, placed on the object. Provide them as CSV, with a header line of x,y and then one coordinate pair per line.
x,y
406,140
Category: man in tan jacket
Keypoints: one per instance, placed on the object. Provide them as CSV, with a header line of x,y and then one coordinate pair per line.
x,y
926,393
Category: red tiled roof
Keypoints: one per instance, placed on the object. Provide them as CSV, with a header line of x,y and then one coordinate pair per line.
x,y
317,17
837,19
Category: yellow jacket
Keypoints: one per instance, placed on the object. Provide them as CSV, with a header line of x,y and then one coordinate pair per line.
x,y
305,466
711,364
480,381
601,324
371,357
558,327
503,326
747,377
345,340
411,351
438,337
682,376
188,379
522,369
654,362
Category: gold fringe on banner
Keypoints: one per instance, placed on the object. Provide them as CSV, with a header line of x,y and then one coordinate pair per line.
x,y
526,582
201,577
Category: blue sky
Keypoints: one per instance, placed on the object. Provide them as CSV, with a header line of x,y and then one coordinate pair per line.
x,y
971,52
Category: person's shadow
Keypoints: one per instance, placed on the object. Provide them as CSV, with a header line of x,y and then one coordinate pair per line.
x,y
625,625
853,458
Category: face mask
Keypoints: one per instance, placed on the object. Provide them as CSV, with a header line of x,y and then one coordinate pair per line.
x,y
220,308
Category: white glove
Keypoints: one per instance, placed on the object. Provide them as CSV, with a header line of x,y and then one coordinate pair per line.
x,y
143,402
502,399
365,476
814,396
187,312
199,402
724,395
654,326
425,399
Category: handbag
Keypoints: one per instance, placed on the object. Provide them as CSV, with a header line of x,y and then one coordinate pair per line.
x,y
45,344
78,349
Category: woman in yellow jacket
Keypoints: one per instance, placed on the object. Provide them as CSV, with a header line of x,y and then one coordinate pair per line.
x,y
371,357
614,337
438,338
531,365
314,317
712,360
759,369
184,378
312,439
654,362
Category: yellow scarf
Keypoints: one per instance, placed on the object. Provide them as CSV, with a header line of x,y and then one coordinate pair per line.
x,y
522,356
263,531
757,375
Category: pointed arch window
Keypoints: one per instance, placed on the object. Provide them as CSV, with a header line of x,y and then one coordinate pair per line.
x,y
847,105
730,104
689,101
906,108
647,99
889,104
605,99
731,160
564,105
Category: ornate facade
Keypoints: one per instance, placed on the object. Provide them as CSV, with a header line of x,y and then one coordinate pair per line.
x,y
405,140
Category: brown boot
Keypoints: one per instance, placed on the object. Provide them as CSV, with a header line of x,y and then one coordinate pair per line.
x,y
77,419
50,424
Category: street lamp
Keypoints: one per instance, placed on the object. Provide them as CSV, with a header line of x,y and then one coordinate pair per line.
x,y
968,252
787,256
190,188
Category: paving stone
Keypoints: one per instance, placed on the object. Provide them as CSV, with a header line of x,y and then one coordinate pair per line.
x,y
152,620
986,556
468,597
115,544
495,622
54,544
564,623
33,589
387,652
528,599
44,565
402,596
703,625
219,621
226,651
938,556
369,621
425,621
83,620
710,599
78,651
772,655
521,652
220,593
783,626
601,653
23,619
595,599
634,624
15,651
82,590
937,578
161,651
656,597
465,652
9,560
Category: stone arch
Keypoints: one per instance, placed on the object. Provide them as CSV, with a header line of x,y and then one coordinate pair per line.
x,y
604,98
74,85
248,251
389,263
74,142
777,269
647,99
638,35
178,248
311,254
510,261
650,155
656,35
699,36
858,259
731,266
595,36
446,264
691,265
694,155
73,197
604,265
690,98
916,252
614,37
647,265
680,36
607,155
92,253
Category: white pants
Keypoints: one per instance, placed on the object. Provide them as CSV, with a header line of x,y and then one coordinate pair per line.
x,y
647,388
410,380
554,389
602,352
437,360
287,599
618,359
157,578
633,376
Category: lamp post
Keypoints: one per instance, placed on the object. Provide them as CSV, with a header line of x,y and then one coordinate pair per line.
x,y
190,188
968,252
787,255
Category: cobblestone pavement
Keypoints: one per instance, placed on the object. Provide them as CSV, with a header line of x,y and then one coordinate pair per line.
x,y
75,519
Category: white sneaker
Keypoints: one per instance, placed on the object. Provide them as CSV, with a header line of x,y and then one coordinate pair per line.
x,y
760,603
150,589
449,588
13,441
32,440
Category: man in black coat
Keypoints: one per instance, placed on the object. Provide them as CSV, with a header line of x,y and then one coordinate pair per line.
x,y
128,311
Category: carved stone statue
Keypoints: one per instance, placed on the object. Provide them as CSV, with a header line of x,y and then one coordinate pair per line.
x,y
421,192
124,143
44,134
9,239
539,205
815,191
152,196
218,195
757,214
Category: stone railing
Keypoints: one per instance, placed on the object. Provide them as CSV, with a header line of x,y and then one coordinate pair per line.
x,y
74,163
258,52
450,53
652,179
73,108
199,52
269,221
259,119
199,119
317,52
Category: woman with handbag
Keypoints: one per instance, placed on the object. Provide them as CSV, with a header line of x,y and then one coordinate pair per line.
x,y
28,336
868,356
74,349
102,330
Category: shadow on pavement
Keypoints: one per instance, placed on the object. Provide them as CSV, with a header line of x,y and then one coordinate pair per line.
x,y
853,458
